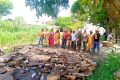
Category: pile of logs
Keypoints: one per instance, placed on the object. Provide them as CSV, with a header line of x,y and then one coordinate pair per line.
x,y
35,63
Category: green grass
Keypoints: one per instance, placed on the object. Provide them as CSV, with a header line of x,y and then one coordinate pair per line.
x,y
10,40
106,70
12,35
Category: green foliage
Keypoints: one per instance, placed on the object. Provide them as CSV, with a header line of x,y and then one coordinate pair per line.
x,y
80,12
77,8
5,6
47,7
68,22
96,15
106,70
93,3
119,24
63,22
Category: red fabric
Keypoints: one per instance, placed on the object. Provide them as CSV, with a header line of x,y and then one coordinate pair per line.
x,y
51,39
69,36
65,35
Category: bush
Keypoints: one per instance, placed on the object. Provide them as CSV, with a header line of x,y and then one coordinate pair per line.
x,y
12,34
106,70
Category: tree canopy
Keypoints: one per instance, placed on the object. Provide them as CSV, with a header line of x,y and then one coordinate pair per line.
x,y
68,22
47,7
95,15
5,6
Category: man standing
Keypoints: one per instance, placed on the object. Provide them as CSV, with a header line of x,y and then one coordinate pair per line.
x,y
79,40
41,37
73,40
64,39
69,38
96,43
84,38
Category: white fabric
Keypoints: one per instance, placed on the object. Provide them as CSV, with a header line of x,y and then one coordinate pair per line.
x,y
73,37
109,38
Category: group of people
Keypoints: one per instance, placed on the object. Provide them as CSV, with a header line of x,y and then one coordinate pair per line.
x,y
75,40
51,38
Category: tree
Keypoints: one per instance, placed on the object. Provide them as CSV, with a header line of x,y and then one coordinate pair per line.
x,y
68,22
77,8
112,8
95,3
79,11
63,22
105,12
47,7
5,6
97,16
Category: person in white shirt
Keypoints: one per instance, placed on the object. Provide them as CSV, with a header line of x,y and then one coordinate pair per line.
x,y
74,40
110,38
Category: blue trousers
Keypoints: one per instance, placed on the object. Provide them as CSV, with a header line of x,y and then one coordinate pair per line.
x,y
96,45
40,42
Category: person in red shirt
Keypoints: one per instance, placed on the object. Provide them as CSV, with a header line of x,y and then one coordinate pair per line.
x,y
64,39
51,38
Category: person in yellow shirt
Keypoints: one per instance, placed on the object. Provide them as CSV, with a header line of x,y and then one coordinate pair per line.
x,y
41,37
46,37
57,38
69,38
90,41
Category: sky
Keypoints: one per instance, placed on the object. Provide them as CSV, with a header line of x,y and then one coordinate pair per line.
x,y
29,16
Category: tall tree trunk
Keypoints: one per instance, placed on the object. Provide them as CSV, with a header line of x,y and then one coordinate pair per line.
x,y
112,8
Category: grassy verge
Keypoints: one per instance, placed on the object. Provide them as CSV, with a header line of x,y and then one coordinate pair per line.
x,y
10,39
105,70
12,35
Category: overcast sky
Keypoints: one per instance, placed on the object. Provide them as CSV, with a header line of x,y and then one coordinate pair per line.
x,y
28,15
